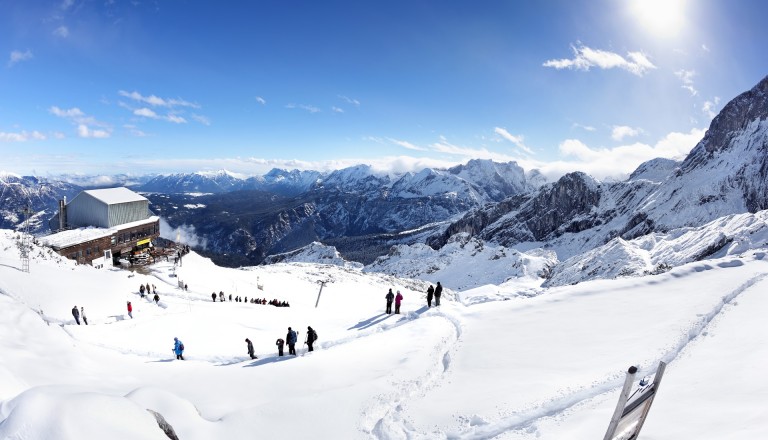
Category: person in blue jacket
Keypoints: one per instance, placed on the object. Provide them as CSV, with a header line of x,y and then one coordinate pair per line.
x,y
178,348
291,339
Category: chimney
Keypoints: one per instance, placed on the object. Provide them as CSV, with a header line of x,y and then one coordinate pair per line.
x,y
63,213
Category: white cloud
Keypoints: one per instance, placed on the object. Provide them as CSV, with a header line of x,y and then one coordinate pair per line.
x,y
584,127
176,119
704,48
146,112
710,108
261,100
85,132
83,122
619,132
686,76
21,136
309,108
135,131
614,163
201,119
66,4
585,58
349,100
337,110
406,144
517,140
61,32
18,56
156,101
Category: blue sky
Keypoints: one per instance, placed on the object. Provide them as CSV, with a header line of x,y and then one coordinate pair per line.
x,y
110,86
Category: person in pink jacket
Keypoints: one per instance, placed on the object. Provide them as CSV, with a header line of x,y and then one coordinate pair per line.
x,y
398,300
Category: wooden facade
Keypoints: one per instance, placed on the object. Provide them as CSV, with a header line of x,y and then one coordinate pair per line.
x,y
121,242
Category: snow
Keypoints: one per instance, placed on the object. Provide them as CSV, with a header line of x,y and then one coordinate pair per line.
x,y
488,363
113,196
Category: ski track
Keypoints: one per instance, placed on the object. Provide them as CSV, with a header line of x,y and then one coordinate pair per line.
x,y
527,419
391,423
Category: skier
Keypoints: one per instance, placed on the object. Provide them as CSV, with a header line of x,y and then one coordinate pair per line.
x,y
438,292
390,296
279,344
311,338
430,292
291,338
82,313
250,348
76,314
141,290
398,300
130,310
178,348
213,296
157,299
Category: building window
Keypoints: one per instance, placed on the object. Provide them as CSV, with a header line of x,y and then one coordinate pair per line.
x,y
88,252
112,240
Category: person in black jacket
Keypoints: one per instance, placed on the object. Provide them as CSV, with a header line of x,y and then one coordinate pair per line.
x,y
438,292
76,314
250,348
430,292
311,338
390,297
279,344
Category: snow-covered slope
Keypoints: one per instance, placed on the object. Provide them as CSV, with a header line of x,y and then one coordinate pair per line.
x,y
658,252
466,263
543,367
314,252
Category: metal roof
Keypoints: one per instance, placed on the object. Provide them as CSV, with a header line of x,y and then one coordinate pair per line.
x,y
112,196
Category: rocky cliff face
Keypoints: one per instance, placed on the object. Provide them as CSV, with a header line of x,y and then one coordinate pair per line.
x,y
20,192
726,173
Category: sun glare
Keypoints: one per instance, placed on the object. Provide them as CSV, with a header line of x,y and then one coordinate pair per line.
x,y
662,18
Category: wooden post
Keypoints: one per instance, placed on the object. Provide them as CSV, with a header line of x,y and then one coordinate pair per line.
x,y
322,283
621,403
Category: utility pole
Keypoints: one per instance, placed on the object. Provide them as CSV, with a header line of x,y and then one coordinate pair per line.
x,y
322,283
25,241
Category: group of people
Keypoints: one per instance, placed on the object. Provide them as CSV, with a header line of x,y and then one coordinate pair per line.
x,y
291,337
432,292
245,299
79,314
147,289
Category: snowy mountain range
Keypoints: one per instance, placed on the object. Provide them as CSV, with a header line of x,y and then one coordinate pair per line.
x,y
364,213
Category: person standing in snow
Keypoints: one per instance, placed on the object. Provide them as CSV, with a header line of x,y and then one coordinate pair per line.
x,y
157,299
130,310
291,338
438,292
141,290
178,348
250,348
213,296
398,300
82,313
390,296
76,314
430,292
311,338
279,344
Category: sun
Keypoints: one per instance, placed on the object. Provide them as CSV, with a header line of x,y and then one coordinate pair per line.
x,y
661,18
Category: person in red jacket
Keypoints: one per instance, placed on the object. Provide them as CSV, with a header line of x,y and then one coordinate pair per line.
x,y
398,300
130,310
